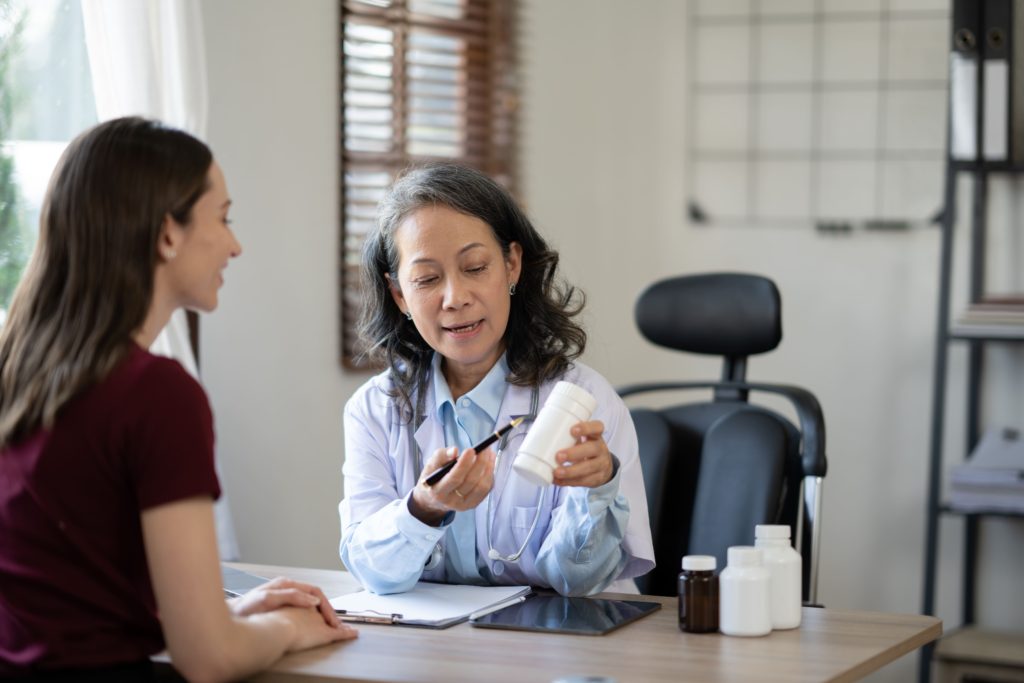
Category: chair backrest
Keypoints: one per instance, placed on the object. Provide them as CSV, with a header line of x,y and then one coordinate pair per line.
x,y
714,469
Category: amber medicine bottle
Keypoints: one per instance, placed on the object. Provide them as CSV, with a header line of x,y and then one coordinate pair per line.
x,y
698,595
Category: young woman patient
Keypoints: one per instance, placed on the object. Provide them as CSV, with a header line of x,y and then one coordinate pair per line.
x,y
107,544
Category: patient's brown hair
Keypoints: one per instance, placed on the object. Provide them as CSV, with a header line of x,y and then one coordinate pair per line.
x,y
89,284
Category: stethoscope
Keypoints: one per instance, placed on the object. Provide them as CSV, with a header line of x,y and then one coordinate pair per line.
x,y
436,554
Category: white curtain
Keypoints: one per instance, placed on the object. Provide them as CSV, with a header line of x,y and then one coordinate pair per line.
x,y
147,59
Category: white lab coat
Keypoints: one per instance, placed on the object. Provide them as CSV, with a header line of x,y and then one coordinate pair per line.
x,y
388,549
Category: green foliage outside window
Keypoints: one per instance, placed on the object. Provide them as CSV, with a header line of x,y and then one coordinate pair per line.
x,y
14,236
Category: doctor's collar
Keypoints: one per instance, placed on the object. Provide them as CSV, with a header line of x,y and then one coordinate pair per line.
x,y
487,395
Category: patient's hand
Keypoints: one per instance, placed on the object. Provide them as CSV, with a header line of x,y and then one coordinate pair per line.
x,y
283,592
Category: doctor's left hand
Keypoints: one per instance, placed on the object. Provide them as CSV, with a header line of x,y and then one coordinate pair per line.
x,y
588,462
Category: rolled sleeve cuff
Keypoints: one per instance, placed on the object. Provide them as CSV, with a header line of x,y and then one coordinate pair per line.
x,y
419,534
600,498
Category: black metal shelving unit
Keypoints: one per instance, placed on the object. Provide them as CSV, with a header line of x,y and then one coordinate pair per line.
x,y
976,340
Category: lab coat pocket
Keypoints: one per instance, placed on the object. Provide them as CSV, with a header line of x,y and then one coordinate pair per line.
x,y
522,520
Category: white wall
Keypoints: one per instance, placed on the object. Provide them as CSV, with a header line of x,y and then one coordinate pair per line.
x,y
269,355
604,177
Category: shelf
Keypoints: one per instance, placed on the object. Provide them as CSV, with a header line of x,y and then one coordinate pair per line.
x,y
987,332
972,653
986,167
975,645
947,509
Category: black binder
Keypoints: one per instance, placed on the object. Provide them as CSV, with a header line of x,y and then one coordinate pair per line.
x,y
964,75
997,76
1016,56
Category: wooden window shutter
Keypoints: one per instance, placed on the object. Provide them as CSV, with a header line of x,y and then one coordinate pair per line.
x,y
421,81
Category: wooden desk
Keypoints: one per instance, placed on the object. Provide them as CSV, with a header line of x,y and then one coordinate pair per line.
x,y
830,645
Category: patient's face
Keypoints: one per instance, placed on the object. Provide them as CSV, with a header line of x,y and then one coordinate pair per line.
x,y
203,247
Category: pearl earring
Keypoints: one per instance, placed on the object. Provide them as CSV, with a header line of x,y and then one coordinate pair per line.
x,y
170,254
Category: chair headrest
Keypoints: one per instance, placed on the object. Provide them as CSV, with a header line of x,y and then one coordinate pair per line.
x,y
723,314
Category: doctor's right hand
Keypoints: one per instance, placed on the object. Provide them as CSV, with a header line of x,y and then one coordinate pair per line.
x,y
463,488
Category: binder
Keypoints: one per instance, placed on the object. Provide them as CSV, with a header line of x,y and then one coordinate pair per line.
x,y
964,74
996,42
1016,56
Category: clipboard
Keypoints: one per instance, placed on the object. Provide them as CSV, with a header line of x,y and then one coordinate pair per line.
x,y
427,605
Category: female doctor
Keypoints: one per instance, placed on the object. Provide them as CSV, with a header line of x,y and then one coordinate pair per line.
x,y
464,310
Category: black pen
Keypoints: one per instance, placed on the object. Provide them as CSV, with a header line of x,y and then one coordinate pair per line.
x,y
439,473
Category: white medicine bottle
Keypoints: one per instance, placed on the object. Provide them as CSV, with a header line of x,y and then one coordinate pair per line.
x,y
743,594
785,565
566,406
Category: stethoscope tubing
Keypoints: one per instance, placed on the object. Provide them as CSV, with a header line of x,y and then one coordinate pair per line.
x,y
492,553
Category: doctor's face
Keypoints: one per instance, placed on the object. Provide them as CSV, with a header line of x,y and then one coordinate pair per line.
x,y
454,279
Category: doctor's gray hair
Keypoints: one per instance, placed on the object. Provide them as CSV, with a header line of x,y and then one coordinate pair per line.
x,y
541,339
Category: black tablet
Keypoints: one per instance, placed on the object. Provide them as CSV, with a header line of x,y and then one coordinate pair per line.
x,y
558,614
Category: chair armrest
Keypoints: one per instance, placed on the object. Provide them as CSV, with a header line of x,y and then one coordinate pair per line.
x,y
808,410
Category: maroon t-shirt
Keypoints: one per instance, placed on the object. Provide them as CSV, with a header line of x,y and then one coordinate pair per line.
x,y
74,584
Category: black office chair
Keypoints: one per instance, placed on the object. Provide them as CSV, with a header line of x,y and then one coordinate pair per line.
x,y
714,469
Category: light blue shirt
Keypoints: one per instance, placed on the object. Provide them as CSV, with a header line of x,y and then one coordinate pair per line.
x,y
466,422
585,541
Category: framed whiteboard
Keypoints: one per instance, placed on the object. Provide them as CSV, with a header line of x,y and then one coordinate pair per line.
x,y
817,112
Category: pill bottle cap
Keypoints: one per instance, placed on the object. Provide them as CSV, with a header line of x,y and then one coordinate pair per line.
x,y
744,556
534,470
771,531
699,563
577,394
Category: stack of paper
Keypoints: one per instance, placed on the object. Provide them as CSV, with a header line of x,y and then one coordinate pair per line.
x,y
992,317
992,480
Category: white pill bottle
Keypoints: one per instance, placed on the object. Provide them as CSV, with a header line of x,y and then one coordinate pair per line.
x,y
785,566
567,405
743,594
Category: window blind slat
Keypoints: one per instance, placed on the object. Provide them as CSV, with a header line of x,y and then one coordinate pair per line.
x,y
370,83
422,81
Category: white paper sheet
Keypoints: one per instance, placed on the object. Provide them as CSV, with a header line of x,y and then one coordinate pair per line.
x,y
428,604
